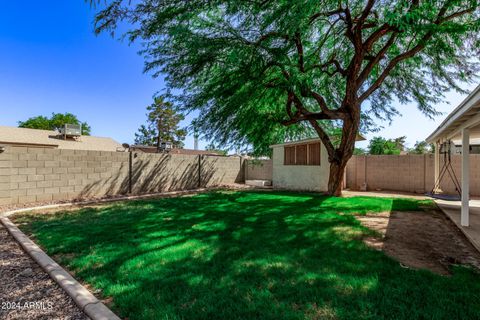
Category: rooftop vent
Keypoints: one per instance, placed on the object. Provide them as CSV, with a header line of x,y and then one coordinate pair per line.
x,y
166,145
71,130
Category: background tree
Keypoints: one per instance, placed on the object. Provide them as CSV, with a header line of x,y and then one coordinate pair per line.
x,y
56,122
379,146
162,125
400,143
212,147
249,66
359,151
421,147
147,135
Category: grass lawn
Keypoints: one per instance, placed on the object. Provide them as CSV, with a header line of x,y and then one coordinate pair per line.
x,y
244,255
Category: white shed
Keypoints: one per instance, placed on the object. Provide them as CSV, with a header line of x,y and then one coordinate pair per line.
x,y
300,165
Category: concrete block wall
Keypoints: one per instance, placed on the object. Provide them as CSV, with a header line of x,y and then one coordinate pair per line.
x,y
29,175
259,170
163,172
408,173
5,178
46,174
221,170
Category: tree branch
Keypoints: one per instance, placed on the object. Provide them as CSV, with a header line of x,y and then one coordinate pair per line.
x,y
335,62
376,59
333,114
317,15
267,36
305,115
410,53
324,137
393,63
458,14
299,45
289,105
365,14
380,32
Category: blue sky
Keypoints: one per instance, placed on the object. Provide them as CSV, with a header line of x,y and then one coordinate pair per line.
x,y
50,61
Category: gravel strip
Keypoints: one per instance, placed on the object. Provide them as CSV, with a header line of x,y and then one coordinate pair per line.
x,y
26,291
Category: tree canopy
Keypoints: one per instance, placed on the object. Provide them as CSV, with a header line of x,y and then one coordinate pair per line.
x,y
212,147
422,147
265,70
55,122
380,146
162,125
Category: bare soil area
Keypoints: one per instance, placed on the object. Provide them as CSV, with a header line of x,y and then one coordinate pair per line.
x,y
421,240
26,291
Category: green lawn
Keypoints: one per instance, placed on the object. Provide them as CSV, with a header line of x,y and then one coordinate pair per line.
x,y
244,255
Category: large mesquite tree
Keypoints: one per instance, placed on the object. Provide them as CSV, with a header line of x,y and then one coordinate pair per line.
x,y
251,65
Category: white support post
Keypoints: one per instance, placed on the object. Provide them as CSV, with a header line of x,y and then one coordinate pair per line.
x,y
464,221
436,162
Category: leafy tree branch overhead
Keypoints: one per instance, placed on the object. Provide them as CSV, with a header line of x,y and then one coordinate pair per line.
x,y
259,70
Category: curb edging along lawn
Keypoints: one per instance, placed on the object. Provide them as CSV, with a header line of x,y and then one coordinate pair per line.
x,y
86,301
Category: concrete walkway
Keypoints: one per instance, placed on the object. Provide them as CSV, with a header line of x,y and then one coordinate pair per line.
x,y
452,210
387,194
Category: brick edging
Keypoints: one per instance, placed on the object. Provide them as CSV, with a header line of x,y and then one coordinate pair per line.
x,y
86,301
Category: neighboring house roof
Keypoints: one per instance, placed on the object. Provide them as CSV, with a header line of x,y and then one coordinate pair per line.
x,y
195,152
359,138
152,149
46,138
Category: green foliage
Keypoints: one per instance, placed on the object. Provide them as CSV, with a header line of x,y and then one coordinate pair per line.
x,y
55,122
248,255
400,143
146,135
422,147
359,151
379,146
236,62
213,147
162,125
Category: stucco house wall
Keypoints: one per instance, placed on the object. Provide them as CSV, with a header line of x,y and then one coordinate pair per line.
x,y
300,177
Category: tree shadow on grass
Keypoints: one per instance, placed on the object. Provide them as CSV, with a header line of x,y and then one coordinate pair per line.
x,y
244,255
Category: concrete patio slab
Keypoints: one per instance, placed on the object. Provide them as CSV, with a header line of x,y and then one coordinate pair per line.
x,y
452,210
387,194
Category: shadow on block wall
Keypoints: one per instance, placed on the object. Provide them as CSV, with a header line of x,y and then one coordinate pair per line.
x,y
153,173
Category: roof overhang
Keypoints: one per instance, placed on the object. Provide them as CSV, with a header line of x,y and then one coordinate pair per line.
x,y
466,115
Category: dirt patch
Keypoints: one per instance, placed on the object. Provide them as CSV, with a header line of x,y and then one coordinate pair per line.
x,y
421,240
26,291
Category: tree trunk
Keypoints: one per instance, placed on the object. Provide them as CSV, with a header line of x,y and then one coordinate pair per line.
x,y
335,179
339,159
